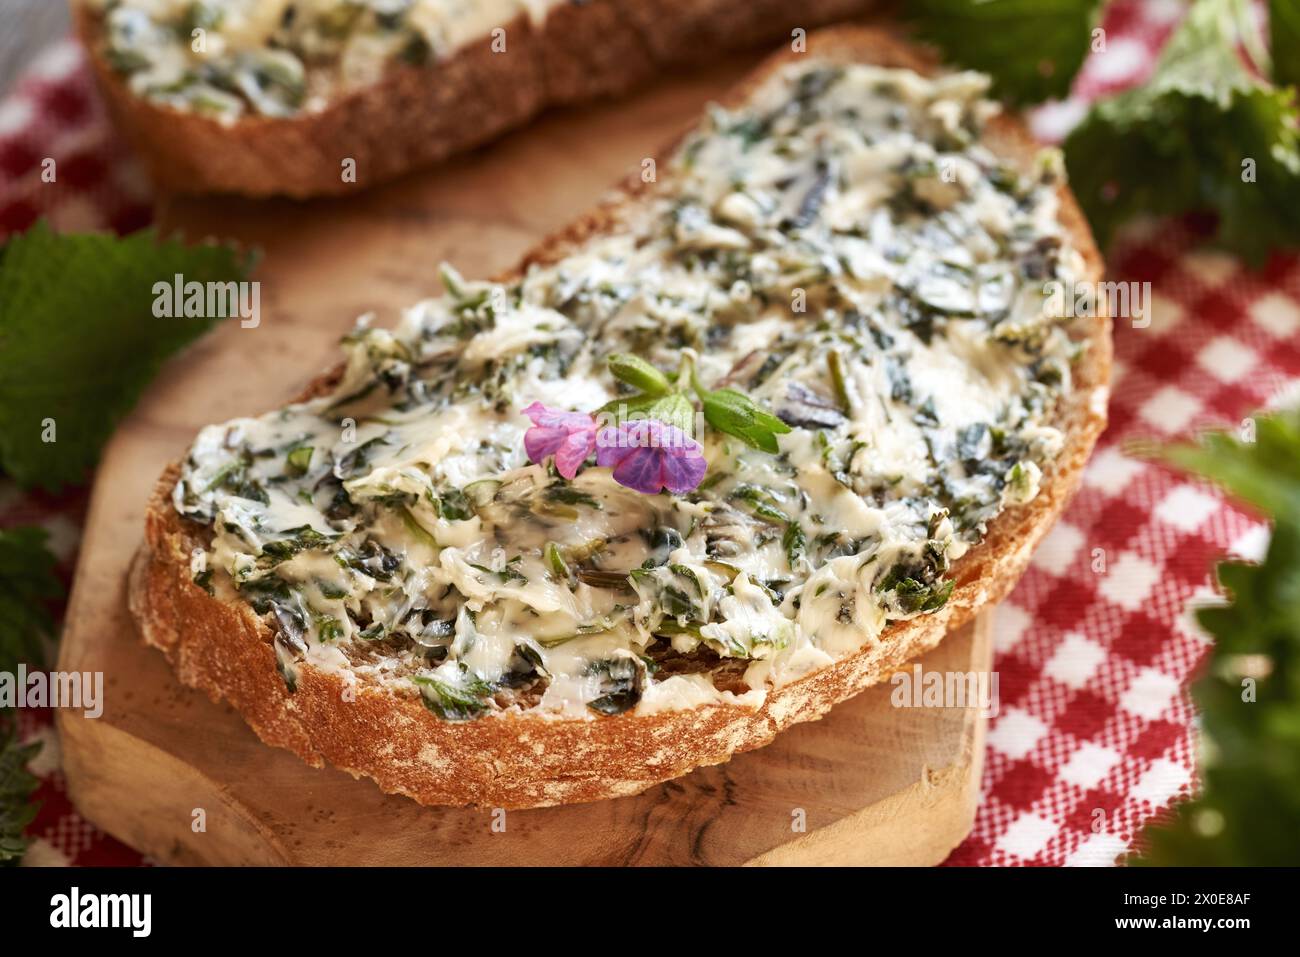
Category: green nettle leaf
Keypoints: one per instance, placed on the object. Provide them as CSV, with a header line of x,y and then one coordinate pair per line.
x,y
1284,40
1249,698
1203,133
79,339
639,374
16,787
1031,48
735,413
1264,473
27,584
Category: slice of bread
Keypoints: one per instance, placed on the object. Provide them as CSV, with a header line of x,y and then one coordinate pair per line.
x,y
418,115
525,758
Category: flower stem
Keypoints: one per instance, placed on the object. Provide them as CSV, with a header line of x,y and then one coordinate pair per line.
x,y
686,372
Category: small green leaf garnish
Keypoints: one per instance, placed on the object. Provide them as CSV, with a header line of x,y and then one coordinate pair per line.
x,y
736,414
727,410
639,374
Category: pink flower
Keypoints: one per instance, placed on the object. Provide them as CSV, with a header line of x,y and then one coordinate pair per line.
x,y
649,455
569,436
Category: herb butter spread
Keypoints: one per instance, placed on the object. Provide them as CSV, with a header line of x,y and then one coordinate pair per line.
x,y
844,250
277,57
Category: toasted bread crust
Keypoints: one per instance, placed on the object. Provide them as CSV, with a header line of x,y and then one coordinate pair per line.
x,y
517,760
419,115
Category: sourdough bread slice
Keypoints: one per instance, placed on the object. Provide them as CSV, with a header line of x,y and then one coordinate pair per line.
x,y
416,115
522,757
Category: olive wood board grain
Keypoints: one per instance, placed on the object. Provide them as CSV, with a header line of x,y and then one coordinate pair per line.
x,y
870,783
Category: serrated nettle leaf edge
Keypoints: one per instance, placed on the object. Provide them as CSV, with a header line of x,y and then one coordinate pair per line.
x,y
1203,133
73,306
1247,698
27,584
1030,48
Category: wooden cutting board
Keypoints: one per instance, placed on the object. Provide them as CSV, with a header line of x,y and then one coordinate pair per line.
x,y
870,783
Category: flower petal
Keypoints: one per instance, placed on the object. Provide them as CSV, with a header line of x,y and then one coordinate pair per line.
x,y
613,444
649,455
558,418
552,429
641,470
539,442
573,451
683,473
681,445
535,412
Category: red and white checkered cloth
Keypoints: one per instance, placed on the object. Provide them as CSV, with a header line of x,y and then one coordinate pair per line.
x,y
1095,648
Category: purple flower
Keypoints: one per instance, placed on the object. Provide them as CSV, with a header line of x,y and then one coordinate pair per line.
x,y
569,436
649,455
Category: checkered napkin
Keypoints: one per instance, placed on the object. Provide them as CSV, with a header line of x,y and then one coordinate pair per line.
x,y
1095,648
